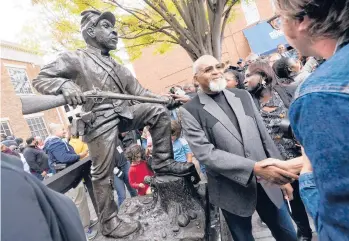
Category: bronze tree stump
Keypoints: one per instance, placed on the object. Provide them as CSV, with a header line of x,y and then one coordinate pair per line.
x,y
175,211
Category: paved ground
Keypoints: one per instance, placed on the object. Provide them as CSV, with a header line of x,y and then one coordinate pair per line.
x,y
261,233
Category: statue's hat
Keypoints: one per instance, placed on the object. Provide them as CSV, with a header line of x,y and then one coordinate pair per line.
x,y
92,17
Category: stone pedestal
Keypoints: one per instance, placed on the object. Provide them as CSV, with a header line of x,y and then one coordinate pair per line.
x,y
175,211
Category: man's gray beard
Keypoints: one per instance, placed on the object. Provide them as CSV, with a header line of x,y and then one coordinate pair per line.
x,y
218,85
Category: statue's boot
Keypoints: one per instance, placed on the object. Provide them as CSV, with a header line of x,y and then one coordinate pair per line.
x,y
120,228
110,224
179,169
163,163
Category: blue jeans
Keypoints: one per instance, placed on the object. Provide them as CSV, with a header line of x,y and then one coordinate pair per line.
x,y
120,182
278,220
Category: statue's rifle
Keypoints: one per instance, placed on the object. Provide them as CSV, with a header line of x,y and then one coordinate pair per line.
x,y
37,103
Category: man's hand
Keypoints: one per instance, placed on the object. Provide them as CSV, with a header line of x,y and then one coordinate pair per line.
x,y
307,167
294,165
73,94
181,98
141,185
273,174
172,103
83,154
287,190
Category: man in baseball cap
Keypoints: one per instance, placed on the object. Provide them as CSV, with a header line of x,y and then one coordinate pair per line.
x,y
97,29
241,65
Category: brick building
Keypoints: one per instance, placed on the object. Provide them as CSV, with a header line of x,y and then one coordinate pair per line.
x,y
159,72
18,67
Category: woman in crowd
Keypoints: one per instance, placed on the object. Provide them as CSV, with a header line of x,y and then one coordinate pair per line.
x,y
286,69
261,82
234,78
291,72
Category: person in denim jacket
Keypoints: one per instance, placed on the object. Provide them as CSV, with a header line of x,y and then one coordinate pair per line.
x,y
319,115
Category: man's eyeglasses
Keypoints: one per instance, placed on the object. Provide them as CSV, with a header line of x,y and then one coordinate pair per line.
x,y
210,69
275,22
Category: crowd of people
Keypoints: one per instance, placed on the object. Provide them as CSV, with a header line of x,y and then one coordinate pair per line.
x,y
269,134
271,82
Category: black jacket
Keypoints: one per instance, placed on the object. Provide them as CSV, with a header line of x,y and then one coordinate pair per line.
x,y
36,159
130,138
32,212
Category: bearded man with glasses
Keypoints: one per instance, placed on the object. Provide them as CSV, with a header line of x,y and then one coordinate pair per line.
x,y
226,133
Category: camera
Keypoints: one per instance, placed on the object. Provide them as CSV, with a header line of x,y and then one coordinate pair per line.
x,y
286,129
172,90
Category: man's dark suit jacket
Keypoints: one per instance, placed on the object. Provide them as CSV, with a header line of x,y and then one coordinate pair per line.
x,y
230,157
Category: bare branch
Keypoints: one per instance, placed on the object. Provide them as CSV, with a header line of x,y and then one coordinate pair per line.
x,y
172,21
210,15
225,20
150,43
226,15
200,32
149,25
216,30
184,15
130,12
144,13
144,34
210,5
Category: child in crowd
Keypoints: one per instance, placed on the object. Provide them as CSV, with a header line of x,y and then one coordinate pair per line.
x,y
138,170
181,149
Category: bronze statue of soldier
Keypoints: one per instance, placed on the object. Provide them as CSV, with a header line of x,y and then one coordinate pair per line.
x,y
73,73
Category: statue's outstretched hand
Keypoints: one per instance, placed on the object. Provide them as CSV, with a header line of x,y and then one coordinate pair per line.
x,y
181,98
73,94
172,103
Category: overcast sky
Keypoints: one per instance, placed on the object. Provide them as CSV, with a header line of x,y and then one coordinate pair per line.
x,y
14,14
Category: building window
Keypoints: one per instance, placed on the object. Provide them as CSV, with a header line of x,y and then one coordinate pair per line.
x,y
5,128
37,127
20,80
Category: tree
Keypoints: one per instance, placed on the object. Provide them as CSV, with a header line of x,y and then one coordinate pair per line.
x,y
196,25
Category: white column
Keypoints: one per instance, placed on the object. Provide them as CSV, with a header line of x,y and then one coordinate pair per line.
x,y
250,10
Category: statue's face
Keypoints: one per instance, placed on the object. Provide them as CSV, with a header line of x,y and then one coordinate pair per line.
x,y
106,36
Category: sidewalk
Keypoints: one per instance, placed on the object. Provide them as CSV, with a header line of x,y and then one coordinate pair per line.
x,y
263,233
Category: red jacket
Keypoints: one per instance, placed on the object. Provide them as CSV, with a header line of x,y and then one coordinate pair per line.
x,y
137,174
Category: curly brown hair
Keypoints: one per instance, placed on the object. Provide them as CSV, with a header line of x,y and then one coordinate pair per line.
x,y
133,152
